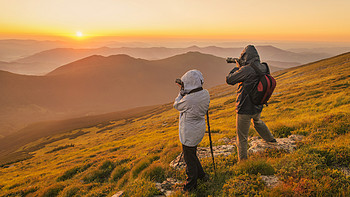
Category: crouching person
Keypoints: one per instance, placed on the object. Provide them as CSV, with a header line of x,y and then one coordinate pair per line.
x,y
192,103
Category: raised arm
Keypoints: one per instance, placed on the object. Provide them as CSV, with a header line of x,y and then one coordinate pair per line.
x,y
180,103
237,75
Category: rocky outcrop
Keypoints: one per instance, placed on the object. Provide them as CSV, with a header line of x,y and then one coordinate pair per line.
x,y
287,144
256,145
203,152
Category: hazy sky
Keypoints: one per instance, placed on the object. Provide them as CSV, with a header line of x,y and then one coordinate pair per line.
x,y
306,20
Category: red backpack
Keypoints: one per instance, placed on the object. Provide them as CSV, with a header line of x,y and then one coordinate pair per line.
x,y
262,91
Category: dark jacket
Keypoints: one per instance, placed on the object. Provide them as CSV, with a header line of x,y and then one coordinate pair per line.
x,y
246,77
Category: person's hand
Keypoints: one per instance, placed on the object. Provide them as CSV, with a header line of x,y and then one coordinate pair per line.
x,y
182,92
237,64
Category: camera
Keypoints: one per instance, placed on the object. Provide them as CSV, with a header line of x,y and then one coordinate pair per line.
x,y
178,81
232,60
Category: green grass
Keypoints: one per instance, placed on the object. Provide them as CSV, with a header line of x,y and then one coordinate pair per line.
x,y
61,148
140,166
118,173
155,172
254,167
101,174
243,185
52,191
141,188
312,100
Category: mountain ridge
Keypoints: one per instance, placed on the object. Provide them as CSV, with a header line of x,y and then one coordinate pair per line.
x,y
53,58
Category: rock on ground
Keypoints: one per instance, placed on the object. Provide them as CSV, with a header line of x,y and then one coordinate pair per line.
x,y
168,186
345,170
118,194
271,181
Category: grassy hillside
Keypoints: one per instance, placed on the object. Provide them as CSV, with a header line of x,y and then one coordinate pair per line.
x,y
132,154
9,144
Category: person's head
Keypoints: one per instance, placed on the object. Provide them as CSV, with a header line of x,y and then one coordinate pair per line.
x,y
248,55
192,79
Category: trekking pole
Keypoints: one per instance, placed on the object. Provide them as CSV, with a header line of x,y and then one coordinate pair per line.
x,y
211,145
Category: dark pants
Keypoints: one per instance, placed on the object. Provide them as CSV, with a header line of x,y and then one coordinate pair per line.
x,y
194,168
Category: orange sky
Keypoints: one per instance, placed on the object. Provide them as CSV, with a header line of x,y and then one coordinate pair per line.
x,y
305,20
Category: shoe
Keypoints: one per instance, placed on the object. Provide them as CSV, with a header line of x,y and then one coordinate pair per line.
x,y
273,141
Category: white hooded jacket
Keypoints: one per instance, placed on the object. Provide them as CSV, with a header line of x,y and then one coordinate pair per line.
x,y
192,108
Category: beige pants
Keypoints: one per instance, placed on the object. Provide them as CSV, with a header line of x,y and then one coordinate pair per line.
x,y
243,124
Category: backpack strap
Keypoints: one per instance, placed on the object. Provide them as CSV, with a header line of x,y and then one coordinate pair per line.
x,y
196,90
258,71
267,67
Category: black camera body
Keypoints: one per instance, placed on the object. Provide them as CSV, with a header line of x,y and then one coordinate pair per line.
x,y
180,82
232,60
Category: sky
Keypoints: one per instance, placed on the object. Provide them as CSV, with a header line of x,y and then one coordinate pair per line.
x,y
296,20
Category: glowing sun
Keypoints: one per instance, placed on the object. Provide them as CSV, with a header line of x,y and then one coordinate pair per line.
x,y
79,34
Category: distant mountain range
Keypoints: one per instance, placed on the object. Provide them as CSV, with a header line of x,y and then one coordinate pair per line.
x,y
99,84
13,49
89,83
46,61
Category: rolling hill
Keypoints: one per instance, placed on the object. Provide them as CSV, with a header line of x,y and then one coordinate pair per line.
x,y
48,60
131,153
98,84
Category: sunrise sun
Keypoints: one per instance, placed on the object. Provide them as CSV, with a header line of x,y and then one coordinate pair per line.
x,y
79,34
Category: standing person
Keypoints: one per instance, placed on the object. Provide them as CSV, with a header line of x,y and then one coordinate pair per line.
x,y
246,77
192,103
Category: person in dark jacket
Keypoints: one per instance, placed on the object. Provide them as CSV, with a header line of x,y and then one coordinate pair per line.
x,y
246,77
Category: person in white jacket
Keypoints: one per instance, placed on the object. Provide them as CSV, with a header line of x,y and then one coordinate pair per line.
x,y
192,103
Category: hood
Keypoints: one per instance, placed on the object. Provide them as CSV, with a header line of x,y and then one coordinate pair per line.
x,y
249,55
192,79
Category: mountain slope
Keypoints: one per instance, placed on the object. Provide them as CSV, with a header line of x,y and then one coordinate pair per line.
x,y
33,132
131,154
